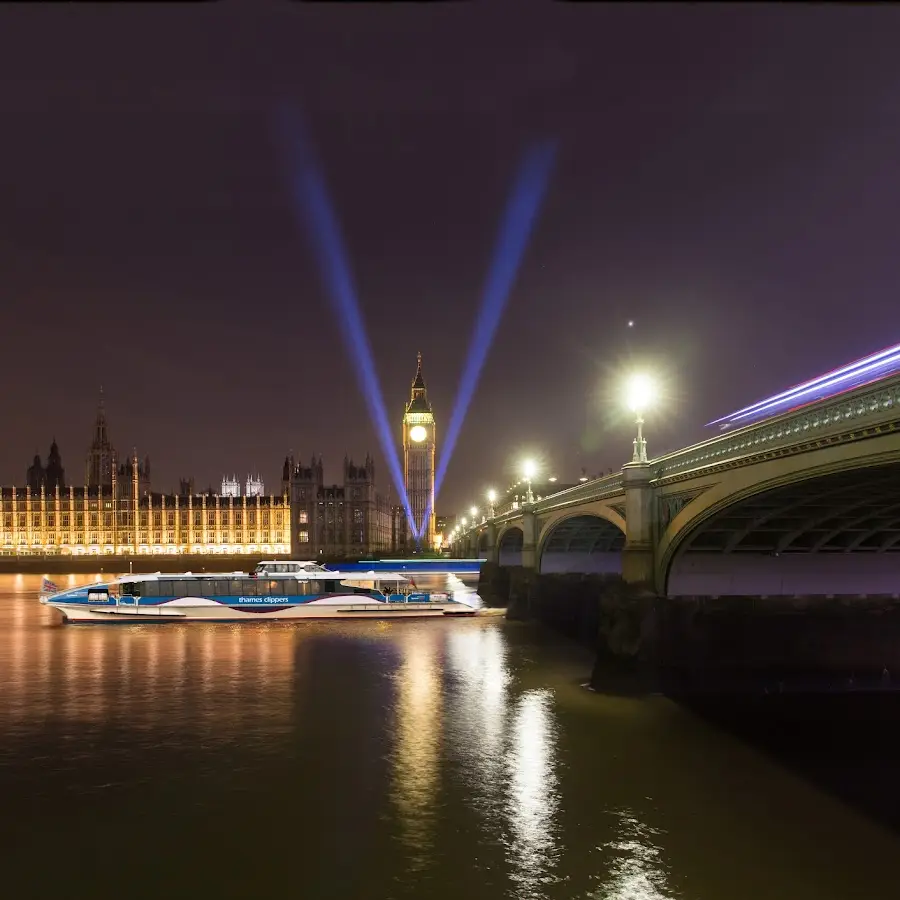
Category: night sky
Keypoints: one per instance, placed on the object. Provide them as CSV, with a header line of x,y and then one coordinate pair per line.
x,y
727,178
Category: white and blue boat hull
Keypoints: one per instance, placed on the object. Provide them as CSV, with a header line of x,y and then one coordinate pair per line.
x,y
201,609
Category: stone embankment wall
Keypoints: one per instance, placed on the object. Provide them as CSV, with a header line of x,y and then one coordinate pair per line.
x,y
847,640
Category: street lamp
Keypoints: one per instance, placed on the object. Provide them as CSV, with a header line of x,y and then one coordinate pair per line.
x,y
474,512
640,394
492,499
528,470
464,521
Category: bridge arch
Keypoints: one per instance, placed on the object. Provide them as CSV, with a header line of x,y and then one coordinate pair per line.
x,y
585,541
823,522
509,546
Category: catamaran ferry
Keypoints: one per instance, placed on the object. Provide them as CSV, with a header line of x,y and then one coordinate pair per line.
x,y
276,590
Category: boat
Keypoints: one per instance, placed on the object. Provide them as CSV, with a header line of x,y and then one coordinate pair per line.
x,y
274,591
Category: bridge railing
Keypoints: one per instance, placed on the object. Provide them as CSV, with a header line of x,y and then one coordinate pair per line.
x,y
873,405
596,489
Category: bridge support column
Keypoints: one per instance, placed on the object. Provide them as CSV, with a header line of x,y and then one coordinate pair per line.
x,y
490,551
640,528
529,539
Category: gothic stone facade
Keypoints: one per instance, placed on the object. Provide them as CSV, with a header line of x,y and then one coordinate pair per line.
x,y
338,520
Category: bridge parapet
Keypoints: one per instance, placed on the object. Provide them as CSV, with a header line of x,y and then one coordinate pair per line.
x,y
876,408
597,489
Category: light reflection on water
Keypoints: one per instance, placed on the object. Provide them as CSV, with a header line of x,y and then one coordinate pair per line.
x,y
416,757
533,795
637,871
439,759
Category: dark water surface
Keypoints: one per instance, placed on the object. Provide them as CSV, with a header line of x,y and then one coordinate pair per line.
x,y
452,760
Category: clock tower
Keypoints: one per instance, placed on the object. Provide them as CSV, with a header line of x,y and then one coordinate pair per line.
x,y
418,459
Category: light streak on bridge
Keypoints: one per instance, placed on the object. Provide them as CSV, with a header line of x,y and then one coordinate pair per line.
x,y
856,374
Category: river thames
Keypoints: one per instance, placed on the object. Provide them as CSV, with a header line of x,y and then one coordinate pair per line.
x,y
442,759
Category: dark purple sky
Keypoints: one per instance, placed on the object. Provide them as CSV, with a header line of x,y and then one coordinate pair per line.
x,y
727,178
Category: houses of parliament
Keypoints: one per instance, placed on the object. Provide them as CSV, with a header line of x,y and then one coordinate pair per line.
x,y
116,512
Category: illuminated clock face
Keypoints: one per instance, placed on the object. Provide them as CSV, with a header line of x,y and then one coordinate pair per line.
x,y
418,434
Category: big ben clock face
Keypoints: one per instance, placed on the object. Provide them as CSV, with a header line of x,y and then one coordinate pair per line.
x,y
418,434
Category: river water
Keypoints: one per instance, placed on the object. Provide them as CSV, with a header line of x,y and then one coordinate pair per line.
x,y
452,760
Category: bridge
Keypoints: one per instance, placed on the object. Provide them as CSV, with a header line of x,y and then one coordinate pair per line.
x,y
807,502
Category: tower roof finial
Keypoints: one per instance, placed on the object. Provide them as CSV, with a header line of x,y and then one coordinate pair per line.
x,y
418,382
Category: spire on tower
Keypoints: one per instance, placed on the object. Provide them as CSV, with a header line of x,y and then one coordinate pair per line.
x,y
418,401
418,381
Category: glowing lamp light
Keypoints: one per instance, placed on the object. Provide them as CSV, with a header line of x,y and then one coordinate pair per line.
x,y
464,521
474,512
529,469
418,434
640,392
492,496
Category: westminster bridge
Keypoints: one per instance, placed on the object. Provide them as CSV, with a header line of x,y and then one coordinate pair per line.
x,y
806,503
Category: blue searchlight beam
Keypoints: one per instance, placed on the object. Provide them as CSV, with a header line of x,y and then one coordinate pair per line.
x,y
522,209
311,201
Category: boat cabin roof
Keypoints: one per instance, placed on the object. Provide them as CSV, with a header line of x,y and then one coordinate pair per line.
x,y
313,575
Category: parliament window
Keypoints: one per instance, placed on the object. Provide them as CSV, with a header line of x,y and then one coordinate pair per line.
x,y
303,537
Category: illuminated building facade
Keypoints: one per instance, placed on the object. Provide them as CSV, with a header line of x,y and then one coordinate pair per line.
x,y
116,512
443,526
231,487
418,460
338,520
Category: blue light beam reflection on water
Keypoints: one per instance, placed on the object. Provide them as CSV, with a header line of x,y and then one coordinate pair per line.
x,y
515,230
315,212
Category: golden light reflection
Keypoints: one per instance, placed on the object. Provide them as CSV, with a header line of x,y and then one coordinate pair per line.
x,y
533,796
477,657
134,673
636,872
418,743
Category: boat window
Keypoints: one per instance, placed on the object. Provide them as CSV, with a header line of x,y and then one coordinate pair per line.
x,y
151,588
316,587
179,588
248,588
234,587
165,588
292,587
275,587
99,596
127,587
194,589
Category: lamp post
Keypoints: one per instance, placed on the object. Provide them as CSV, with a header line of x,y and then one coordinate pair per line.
x,y
528,470
639,396
474,513
492,498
